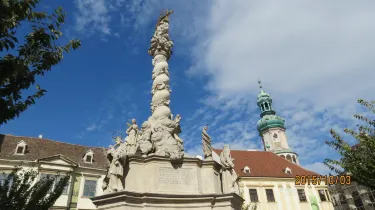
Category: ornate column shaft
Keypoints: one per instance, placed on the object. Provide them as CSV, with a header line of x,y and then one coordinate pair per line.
x,y
161,51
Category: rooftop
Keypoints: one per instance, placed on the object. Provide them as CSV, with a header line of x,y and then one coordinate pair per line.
x,y
264,164
39,148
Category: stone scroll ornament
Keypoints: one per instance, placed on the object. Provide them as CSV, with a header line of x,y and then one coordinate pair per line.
x,y
229,176
113,182
206,143
159,135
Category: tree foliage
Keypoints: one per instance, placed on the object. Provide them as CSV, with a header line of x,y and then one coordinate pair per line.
x,y
359,159
21,191
20,63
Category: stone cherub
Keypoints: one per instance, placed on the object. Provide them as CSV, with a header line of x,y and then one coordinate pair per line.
x,y
230,177
206,143
116,155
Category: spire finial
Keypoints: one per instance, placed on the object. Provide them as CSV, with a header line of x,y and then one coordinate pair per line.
x,y
260,84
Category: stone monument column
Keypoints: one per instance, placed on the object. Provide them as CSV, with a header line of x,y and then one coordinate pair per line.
x,y
162,127
161,51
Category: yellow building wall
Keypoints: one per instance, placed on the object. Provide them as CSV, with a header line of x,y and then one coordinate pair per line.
x,y
285,193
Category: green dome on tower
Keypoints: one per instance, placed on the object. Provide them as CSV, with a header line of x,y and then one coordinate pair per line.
x,y
269,119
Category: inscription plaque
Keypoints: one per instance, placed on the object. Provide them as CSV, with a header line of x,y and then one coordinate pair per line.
x,y
183,176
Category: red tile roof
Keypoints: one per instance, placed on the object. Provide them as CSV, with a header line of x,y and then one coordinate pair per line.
x,y
264,164
42,148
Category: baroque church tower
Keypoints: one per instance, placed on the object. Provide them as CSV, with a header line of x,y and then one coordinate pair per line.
x,y
272,129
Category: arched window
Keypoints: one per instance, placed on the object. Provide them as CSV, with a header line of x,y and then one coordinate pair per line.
x,y
294,159
283,156
266,105
289,158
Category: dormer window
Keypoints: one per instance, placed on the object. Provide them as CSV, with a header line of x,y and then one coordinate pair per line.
x,y
21,148
246,170
89,156
288,170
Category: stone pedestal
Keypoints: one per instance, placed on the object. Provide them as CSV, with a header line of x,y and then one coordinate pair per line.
x,y
157,183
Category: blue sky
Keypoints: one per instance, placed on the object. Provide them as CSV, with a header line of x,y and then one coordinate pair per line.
x,y
315,59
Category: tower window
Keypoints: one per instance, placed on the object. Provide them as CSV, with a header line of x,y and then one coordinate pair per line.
x,y
275,136
289,158
266,105
262,107
294,159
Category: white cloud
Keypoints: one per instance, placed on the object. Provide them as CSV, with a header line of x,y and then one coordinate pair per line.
x,y
93,16
311,51
315,59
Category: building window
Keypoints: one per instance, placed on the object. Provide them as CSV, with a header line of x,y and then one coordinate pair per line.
x,y
357,199
65,191
90,188
89,156
56,178
44,178
322,195
283,156
301,195
21,148
270,196
3,177
246,170
253,195
327,194
288,170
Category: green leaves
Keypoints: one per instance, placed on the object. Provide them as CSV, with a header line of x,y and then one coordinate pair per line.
x,y
22,191
37,55
358,159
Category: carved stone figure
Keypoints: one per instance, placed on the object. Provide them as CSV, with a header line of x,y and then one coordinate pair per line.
x,y
131,139
117,157
144,139
177,131
206,143
229,175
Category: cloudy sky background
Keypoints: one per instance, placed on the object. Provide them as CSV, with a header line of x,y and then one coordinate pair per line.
x,y
315,58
